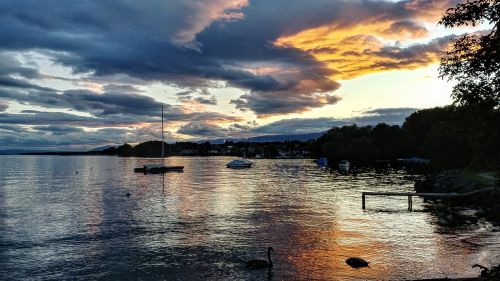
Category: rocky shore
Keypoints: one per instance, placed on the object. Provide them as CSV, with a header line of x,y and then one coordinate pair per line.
x,y
486,200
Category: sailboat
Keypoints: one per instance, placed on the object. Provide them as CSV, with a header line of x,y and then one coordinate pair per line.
x,y
159,168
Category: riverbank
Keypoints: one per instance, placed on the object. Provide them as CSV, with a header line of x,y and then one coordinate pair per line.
x,y
462,182
487,274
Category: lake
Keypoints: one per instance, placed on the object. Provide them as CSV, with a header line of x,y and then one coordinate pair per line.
x,y
204,223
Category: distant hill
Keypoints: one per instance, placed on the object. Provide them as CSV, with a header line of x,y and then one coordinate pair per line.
x,y
101,148
16,151
270,138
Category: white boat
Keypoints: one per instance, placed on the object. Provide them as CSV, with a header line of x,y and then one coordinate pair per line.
x,y
344,165
157,167
239,163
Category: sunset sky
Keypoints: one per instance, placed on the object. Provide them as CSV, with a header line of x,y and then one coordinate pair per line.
x,y
80,74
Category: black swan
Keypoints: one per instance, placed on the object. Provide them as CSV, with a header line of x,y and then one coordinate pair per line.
x,y
261,263
357,262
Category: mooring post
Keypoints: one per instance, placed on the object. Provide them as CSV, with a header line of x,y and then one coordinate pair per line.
x,y
410,203
363,200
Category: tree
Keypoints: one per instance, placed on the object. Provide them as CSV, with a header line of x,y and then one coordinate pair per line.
x,y
474,60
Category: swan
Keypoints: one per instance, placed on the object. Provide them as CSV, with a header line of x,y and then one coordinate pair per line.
x,y
261,263
357,262
484,270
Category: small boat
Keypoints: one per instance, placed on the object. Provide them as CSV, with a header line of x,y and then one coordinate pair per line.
x,y
155,168
344,165
322,162
158,168
239,163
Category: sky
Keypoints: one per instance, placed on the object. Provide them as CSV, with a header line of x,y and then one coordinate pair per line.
x,y
80,74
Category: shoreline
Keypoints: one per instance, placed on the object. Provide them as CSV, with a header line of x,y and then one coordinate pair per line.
x,y
486,203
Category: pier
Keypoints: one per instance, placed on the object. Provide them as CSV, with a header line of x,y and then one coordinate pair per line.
x,y
410,195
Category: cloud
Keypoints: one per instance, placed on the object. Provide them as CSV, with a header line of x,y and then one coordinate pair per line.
x,y
33,117
141,41
202,129
202,14
65,138
284,60
3,106
266,104
204,97
58,130
367,37
207,100
391,116
407,28
54,130
10,64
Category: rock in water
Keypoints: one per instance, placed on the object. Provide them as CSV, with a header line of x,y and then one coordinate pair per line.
x,y
356,262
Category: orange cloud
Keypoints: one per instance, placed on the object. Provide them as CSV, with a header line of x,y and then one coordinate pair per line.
x,y
373,42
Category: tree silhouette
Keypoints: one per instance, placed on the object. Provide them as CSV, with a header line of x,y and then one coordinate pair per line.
x,y
474,60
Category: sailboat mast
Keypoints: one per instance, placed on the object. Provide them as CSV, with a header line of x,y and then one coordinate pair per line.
x,y
162,143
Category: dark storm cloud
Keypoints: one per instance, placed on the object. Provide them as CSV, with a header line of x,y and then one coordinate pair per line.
x,y
12,128
138,39
58,130
202,129
110,102
9,65
9,82
266,104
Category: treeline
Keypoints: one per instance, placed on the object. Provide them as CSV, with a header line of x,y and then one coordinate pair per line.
x,y
451,137
287,149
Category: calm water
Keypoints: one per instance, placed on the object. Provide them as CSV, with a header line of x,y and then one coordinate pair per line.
x,y
204,223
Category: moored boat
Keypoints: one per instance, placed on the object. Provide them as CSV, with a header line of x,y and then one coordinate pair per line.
x,y
344,165
154,168
158,168
322,162
239,163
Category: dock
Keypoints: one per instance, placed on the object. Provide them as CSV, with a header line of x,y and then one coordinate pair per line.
x,y
410,195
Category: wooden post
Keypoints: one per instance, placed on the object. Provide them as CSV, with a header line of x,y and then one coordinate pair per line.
x,y
363,200
410,203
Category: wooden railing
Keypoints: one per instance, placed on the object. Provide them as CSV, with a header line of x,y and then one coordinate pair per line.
x,y
411,194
